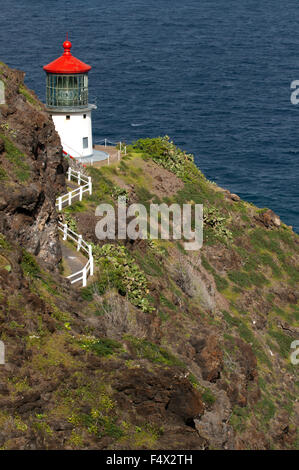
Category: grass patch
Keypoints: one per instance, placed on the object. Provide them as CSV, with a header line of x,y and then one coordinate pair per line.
x,y
167,303
247,335
246,280
231,321
3,174
4,243
283,341
104,347
29,265
208,396
16,158
238,418
221,282
26,93
266,408
78,206
146,350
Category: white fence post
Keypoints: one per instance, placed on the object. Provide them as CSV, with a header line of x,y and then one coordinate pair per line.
x,y
79,242
90,259
80,194
120,146
70,199
105,142
90,185
60,203
69,173
64,231
79,178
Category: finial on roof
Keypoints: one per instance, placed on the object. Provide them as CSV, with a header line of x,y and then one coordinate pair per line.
x,y
67,46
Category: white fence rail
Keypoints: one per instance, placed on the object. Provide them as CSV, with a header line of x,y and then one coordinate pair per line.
x,y
78,192
122,147
88,269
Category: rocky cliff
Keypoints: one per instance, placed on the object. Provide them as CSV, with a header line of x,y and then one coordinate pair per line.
x,y
165,349
32,170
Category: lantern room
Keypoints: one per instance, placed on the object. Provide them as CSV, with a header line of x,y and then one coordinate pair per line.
x,y
67,90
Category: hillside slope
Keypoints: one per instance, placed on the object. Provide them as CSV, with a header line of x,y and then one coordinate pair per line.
x,y
165,349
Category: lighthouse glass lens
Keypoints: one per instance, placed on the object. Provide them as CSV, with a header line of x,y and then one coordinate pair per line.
x,y
67,90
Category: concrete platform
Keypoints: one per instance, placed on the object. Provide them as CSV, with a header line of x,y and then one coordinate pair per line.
x,y
97,156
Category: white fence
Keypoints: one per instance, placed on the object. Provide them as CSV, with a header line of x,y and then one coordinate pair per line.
x,y
122,147
68,233
78,192
83,246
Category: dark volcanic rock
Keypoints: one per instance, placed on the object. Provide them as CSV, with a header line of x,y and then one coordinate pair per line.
x,y
28,213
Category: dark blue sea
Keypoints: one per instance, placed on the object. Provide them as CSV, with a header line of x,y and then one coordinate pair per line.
x,y
214,75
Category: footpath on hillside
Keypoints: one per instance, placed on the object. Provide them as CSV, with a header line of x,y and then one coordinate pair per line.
x,y
73,260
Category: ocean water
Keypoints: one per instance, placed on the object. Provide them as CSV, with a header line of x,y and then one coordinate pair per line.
x,y
214,75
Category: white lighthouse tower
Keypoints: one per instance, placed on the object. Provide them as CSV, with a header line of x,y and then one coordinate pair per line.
x,y
67,103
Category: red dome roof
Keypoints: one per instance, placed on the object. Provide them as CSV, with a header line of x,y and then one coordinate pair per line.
x,y
67,63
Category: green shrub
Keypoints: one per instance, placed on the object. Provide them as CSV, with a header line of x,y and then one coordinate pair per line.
x,y
267,260
71,222
29,265
87,292
208,396
167,303
78,206
165,153
283,341
102,347
3,175
231,321
25,92
154,353
4,243
149,263
247,335
257,279
213,219
240,278
238,418
16,158
266,408
119,270
119,192
221,282
207,265
105,347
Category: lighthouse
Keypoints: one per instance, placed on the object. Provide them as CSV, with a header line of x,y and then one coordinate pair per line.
x,y
67,103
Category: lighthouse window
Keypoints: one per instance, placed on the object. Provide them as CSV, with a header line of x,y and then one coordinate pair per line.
x,y
68,117
84,116
85,142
